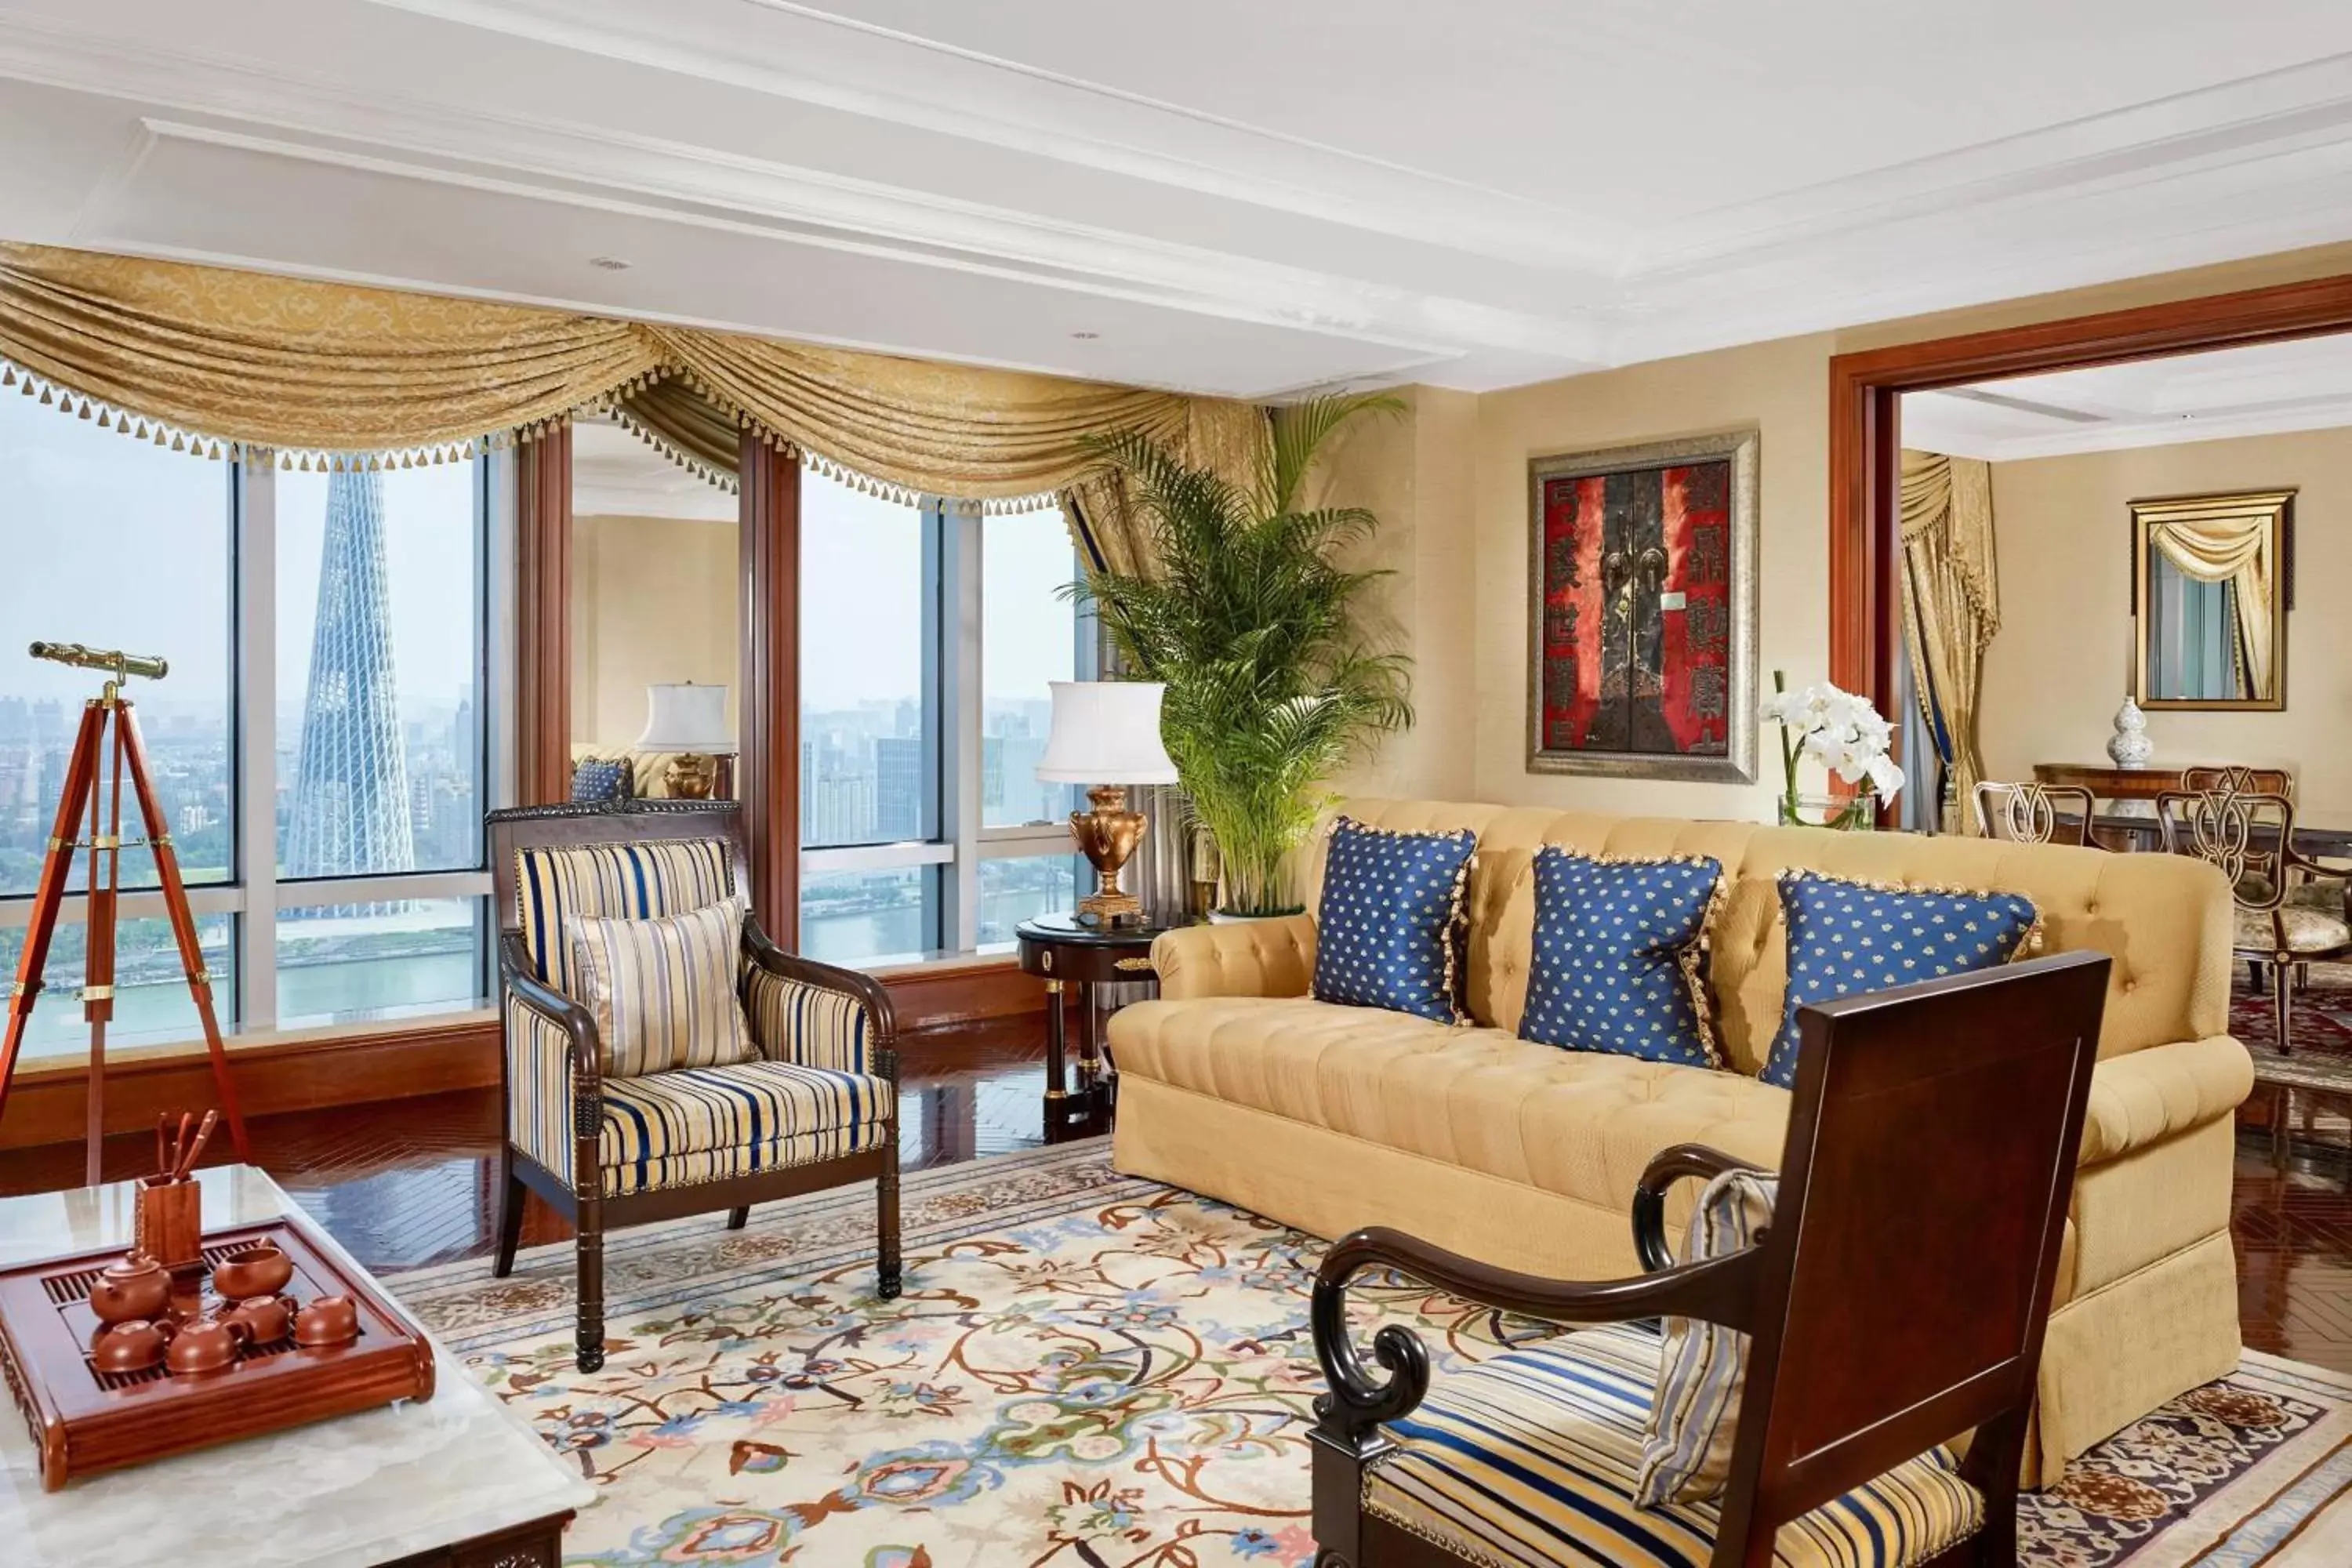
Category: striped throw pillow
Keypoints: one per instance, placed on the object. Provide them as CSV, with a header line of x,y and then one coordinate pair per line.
x,y
663,990
1686,1447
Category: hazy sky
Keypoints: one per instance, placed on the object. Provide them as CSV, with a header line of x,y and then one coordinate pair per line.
x,y
116,543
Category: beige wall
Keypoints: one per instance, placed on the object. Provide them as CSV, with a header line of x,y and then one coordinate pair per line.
x,y
1415,472
653,599
2061,661
1781,390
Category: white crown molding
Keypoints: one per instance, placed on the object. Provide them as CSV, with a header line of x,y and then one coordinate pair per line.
x,y
813,57
2245,168
1923,428
679,181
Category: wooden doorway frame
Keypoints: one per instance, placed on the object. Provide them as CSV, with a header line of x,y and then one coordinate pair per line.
x,y
1867,434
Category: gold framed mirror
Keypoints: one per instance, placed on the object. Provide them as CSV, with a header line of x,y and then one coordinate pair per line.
x,y
2212,587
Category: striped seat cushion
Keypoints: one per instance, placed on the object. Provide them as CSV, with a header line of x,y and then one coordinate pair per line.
x,y
705,1123
1703,1366
613,882
1530,1459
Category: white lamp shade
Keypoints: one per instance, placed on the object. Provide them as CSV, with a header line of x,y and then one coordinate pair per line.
x,y
1106,731
687,717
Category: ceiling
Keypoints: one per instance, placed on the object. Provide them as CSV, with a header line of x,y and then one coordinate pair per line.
x,y
1253,201
616,474
2260,391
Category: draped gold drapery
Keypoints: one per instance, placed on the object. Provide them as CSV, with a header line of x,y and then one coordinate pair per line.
x,y
1951,602
2236,551
247,359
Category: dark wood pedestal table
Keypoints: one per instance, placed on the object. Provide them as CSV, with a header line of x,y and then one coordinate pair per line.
x,y
1076,958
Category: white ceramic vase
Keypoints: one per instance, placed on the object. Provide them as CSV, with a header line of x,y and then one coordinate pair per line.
x,y
2129,745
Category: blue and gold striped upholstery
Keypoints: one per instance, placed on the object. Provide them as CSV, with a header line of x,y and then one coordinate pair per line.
x,y
806,1025
1530,1459
539,1087
663,990
1703,1366
615,881
698,1125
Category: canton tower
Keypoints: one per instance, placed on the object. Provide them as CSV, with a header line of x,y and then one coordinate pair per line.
x,y
350,795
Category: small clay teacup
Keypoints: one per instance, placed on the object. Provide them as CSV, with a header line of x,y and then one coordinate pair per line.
x,y
263,1320
260,1269
133,1346
202,1347
132,1287
328,1320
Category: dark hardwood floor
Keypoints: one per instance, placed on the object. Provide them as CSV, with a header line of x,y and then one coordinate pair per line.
x,y
412,1182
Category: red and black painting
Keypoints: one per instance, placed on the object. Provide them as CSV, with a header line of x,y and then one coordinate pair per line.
x,y
1640,643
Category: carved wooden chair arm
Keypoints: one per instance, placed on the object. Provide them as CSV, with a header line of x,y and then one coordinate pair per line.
x,y
574,1020
869,992
1721,1290
1683,1160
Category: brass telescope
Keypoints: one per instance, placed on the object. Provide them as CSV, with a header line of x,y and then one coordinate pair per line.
x,y
114,662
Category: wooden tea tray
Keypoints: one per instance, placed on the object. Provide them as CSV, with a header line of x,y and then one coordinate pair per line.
x,y
87,1421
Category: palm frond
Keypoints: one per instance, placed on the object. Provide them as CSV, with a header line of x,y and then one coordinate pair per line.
x,y
1251,625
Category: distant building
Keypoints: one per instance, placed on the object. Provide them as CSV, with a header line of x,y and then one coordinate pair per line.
x,y
351,814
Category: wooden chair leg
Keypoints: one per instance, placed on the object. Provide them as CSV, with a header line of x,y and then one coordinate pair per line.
x,y
887,1276
589,1338
512,1194
2283,1005
738,1218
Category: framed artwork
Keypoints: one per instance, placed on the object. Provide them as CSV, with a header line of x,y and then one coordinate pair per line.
x,y
1641,615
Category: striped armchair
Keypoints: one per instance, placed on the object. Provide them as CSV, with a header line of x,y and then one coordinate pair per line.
x,y
613,1141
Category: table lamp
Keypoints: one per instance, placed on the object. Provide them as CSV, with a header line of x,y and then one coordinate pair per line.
x,y
691,720
1107,730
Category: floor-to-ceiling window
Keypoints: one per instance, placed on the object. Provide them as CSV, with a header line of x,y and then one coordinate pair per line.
x,y
320,743
928,636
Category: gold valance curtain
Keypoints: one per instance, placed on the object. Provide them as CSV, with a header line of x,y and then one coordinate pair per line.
x,y
1951,603
253,359
2236,551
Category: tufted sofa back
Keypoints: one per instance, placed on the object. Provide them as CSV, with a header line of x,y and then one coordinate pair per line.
x,y
2165,918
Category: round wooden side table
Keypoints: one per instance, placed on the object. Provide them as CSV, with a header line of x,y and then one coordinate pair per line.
x,y
1077,958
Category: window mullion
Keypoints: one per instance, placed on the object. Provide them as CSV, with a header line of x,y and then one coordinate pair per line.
x,y
960,756
255,487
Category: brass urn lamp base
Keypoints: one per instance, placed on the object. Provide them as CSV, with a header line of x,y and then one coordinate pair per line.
x,y
1107,835
690,776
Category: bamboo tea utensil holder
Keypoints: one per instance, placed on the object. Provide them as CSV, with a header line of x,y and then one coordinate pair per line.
x,y
168,1221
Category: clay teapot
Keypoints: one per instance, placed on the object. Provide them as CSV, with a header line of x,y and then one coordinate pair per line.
x,y
133,1286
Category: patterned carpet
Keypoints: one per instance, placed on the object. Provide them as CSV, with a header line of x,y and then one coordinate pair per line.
x,y
2322,1014
1090,1372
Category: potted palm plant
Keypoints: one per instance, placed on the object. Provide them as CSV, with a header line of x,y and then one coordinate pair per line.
x,y
1250,623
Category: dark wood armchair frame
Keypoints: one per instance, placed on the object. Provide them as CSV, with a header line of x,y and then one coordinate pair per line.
x,y
1950,1112
582,1201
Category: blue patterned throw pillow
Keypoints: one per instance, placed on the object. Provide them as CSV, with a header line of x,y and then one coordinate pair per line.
x,y
1847,938
1617,949
1384,934
599,779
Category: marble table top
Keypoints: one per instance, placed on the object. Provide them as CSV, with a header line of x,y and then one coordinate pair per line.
x,y
352,1493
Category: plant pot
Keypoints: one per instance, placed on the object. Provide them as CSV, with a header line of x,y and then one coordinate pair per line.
x,y
1234,917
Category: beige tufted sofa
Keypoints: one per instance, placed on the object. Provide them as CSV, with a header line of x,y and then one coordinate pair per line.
x,y
1236,1084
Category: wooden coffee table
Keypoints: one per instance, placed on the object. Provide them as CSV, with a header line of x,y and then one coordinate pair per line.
x,y
458,1481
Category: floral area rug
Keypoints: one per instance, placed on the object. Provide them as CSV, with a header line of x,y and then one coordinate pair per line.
x,y
2322,1012
1091,1371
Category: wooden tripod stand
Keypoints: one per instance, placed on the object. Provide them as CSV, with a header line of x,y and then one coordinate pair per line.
x,y
88,792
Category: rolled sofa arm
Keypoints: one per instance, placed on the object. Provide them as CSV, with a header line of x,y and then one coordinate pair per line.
x,y
1246,958
2145,1096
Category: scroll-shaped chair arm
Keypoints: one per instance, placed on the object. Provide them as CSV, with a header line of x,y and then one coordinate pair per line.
x,y
868,992
1721,1290
574,1020
1672,1165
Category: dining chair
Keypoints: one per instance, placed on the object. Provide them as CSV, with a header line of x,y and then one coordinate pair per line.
x,y
1893,1300
607,1144
2032,814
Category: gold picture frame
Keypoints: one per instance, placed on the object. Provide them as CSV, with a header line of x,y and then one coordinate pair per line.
x,y
2235,550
